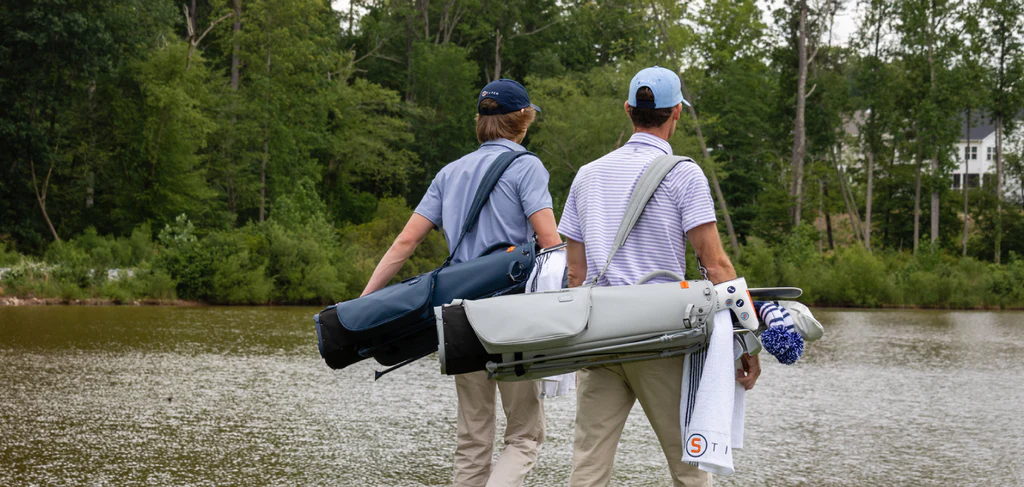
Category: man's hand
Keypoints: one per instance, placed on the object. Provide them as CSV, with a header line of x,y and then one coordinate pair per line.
x,y
747,376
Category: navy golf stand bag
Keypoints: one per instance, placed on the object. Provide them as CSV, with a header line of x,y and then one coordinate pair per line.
x,y
395,325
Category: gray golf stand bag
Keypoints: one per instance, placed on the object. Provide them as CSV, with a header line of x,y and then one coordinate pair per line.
x,y
528,336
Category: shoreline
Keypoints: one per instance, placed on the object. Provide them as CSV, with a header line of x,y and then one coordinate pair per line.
x,y
33,301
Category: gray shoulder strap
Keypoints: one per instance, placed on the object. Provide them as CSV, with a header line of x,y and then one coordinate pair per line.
x,y
645,187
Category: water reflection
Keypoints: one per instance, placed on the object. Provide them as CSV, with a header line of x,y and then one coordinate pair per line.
x,y
234,396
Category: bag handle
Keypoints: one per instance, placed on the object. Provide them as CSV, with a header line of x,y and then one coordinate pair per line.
x,y
662,273
483,194
649,181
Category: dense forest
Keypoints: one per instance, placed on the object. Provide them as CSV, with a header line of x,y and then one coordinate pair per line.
x,y
258,151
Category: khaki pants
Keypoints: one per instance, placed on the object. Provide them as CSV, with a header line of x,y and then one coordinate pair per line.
x,y
604,397
524,432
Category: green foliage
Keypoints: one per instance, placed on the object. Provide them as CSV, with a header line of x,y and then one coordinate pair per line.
x,y
8,257
852,276
297,143
582,119
364,245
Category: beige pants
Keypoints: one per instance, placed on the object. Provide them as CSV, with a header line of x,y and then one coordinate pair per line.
x,y
524,432
603,399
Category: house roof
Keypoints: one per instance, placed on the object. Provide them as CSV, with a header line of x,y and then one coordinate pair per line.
x,y
980,126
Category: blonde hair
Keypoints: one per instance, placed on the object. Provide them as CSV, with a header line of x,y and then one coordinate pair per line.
x,y
505,126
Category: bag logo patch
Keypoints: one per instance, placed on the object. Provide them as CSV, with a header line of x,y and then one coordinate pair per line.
x,y
696,445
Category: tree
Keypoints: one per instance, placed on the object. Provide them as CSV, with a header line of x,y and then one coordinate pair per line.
x,y
731,87
929,34
810,24
670,38
1004,20
874,87
969,74
290,52
55,56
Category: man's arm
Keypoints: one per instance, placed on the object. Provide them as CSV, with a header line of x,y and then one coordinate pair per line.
x,y
708,245
576,261
543,222
712,256
415,231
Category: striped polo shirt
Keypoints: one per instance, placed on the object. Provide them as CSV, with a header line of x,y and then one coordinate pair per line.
x,y
597,202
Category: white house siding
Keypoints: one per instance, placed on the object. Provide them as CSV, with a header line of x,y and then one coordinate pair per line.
x,y
982,166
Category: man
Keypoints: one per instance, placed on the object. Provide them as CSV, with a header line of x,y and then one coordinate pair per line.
x,y
519,206
681,209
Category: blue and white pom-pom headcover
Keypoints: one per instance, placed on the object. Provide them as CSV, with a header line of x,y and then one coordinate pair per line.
x,y
781,339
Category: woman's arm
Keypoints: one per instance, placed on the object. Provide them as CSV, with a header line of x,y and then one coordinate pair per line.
x,y
411,237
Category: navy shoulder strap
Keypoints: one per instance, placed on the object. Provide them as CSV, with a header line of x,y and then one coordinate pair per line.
x,y
483,193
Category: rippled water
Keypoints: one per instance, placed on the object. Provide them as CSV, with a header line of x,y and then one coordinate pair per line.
x,y
238,396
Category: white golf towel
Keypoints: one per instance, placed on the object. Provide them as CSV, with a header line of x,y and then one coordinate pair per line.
x,y
547,276
712,407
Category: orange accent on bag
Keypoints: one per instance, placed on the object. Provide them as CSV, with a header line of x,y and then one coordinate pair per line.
x,y
684,285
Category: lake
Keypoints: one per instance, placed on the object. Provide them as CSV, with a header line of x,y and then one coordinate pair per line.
x,y
239,396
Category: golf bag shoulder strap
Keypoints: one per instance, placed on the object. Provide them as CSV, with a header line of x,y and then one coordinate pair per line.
x,y
483,193
645,187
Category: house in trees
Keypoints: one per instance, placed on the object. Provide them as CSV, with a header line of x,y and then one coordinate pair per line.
x,y
976,155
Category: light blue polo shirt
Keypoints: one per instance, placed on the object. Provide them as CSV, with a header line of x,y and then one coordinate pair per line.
x,y
521,192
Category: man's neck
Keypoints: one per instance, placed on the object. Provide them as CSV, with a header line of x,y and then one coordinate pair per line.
x,y
663,132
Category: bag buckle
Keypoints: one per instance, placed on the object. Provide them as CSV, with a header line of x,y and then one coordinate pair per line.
x,y
515,271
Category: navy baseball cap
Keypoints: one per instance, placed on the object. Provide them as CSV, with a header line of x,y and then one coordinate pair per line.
x,y
510,95
663,83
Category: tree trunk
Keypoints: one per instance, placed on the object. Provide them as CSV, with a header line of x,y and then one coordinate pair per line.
x,y
408,57
999,189
799,129
707,166
425,5
497,53
235,61
935,158
266,157
828,218
351,15
869,198
851,204
935,198
41,195
963,181
917,202
232,206
821,210
263,175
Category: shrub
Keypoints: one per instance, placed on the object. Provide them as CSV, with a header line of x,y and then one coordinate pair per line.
x,y
363,245
72,266
8,257
757,264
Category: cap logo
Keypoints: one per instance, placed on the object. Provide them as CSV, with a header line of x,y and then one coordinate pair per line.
x,y
485,93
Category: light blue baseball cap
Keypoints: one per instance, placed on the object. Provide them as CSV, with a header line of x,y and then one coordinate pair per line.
x,y
663,83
